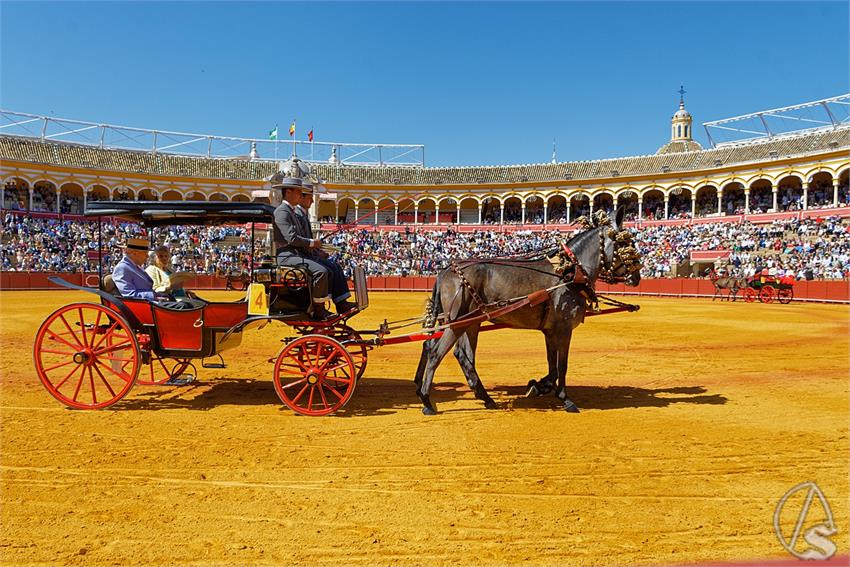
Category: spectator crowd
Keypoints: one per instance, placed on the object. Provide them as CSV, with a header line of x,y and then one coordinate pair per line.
x,y
806,249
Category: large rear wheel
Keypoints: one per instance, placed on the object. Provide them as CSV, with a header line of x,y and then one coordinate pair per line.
x,y
750,295
314,375
86,355
767,294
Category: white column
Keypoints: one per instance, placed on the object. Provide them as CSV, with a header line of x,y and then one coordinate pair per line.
x,y
56,205
591,206
395,214
834,192
775,199
747,201
522,217
457,220
545,212
568,212
29,205
640,209
693,205
336,211
2,196
805,196
480,207
666,207
376,215
415,214
719,201
501,213
356,212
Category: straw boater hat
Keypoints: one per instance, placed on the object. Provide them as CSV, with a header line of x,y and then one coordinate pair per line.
x,y
307,187
137,244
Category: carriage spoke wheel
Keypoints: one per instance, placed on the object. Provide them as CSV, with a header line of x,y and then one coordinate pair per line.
x,y
314,375
767,294
359,353
785,295
86,355
161,370
750,295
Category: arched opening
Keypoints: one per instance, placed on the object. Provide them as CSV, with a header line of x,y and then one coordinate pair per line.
x,y
733,199
241,198
706,201
386,211
534,209
790,193
513,210
844,188
218,197
447,211
118,194
326,210
16,195
629,201
346,210
406,208
196,196
263,199
679,203
427,211
365,211
761,196
468,211
491,210
653,204
71,199
148,194
820,190
556,210
44,196
579,206
172,195
97,193
603,202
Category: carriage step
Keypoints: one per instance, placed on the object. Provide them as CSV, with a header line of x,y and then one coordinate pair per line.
x,y
219,364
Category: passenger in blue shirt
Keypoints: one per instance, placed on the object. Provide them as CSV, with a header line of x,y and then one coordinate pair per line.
x,y
131,280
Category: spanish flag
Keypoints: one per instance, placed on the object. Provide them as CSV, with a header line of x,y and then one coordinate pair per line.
x,y
310,135
292,129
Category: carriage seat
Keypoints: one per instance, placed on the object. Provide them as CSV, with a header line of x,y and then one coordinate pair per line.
x,y
110,287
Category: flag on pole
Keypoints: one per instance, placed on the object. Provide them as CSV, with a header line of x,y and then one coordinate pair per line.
x,y
273,133
292,129
310,135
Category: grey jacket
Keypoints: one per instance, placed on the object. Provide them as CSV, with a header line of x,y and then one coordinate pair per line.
x,y
289,237
304,219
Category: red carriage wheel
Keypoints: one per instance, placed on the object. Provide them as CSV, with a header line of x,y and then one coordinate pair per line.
x,y
750,295
161,370
767,294
86,355
314,375
785,295
359,353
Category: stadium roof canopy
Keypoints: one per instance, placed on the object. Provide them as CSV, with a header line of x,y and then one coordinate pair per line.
x,y
824,114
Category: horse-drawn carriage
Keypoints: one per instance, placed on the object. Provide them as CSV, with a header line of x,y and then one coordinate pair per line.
x,y
768,289
90,355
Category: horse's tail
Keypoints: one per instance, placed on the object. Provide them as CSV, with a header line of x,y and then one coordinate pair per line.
x,y
432,307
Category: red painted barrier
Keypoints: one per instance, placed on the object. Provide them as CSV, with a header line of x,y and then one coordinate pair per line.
x,y
831,291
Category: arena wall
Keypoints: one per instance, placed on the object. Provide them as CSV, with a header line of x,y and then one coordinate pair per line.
x,y
833,291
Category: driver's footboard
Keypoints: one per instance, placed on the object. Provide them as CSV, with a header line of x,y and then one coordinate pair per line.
x,y
361,293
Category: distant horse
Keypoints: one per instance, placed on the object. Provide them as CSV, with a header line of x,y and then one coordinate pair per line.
x,y
733,284
604,250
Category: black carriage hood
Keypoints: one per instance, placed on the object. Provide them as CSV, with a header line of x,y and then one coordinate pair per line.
x,y
167,213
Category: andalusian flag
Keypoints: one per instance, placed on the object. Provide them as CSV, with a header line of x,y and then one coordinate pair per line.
x,y
273,133
310,135
292,129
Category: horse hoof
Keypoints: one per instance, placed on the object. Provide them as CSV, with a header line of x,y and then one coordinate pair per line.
x,y
570,407
532,389
490,404
429,411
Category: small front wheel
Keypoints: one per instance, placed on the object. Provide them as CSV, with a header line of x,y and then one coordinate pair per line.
x,y
767,294
314,375
785,295
750,295
86,355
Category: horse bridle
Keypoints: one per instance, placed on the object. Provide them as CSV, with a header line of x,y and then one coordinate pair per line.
x,y
626,254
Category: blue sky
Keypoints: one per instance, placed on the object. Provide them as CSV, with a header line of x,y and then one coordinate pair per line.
x,y
477,83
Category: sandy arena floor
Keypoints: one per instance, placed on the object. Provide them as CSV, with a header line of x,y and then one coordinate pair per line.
x,y
696,418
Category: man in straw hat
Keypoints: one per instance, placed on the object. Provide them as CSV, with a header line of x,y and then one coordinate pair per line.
x,y
131,279
338,283
295,249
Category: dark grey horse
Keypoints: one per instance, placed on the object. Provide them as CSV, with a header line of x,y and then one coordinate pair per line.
x,y
605,248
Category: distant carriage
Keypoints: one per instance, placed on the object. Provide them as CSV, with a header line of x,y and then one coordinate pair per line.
x,y
768,289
